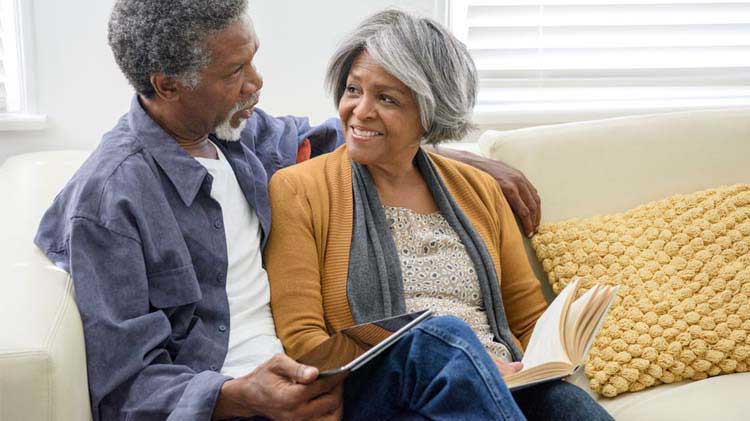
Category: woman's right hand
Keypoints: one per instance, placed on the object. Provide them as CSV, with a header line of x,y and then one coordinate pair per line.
x,y
506,368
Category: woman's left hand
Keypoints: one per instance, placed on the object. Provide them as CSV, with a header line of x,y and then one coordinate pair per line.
x,y
506,368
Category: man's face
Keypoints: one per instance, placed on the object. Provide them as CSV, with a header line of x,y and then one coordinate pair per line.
x,y
229,86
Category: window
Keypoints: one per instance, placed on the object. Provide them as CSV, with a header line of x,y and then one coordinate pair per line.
x,y
16,100
557,61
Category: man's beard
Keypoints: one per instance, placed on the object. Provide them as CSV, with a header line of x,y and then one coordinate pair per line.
x,y
225,131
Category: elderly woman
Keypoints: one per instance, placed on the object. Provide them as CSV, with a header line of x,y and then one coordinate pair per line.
x,y
380,227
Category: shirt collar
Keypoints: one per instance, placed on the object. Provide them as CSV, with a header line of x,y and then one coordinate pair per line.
x,y
185,173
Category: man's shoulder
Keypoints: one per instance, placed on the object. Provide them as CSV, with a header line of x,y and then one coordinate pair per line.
x,y
118,161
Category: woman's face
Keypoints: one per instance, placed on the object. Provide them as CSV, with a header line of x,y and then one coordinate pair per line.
x,y
379,116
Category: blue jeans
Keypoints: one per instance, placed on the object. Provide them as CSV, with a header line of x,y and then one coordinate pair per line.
x,y
558,400
440,371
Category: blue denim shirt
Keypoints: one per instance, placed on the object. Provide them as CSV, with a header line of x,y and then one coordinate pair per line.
x,y
144,242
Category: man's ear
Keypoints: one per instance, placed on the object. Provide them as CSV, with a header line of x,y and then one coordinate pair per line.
x,y
166,87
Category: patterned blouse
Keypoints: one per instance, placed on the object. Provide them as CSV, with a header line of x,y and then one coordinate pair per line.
x,y
438,273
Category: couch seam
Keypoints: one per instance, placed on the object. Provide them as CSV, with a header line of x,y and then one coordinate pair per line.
x,y
50,391
23,353
61,307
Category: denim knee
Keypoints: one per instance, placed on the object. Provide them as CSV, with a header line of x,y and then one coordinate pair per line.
x,y
450,324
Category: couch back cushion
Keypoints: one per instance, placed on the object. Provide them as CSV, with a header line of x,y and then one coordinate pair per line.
x,y
30,182
605,166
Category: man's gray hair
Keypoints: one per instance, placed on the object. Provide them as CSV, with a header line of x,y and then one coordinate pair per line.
x,y
423,55
168,37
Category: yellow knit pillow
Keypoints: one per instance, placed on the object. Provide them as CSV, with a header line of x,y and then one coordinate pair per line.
x,y
683,263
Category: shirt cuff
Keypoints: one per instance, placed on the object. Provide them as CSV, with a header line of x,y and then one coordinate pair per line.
x,y
200,396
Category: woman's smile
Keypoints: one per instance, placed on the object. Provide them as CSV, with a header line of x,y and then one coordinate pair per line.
x,y
363,134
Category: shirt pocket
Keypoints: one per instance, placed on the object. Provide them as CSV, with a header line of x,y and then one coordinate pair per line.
x,y
174,287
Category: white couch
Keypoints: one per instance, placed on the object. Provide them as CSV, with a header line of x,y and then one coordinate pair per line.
x,y
580,169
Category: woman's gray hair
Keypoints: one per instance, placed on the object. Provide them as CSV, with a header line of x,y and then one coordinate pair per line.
x,y
423,55
168,37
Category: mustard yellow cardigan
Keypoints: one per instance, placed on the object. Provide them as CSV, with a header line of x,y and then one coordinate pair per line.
x,y
307,255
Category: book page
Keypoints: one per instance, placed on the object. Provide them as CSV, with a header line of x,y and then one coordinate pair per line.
x,y
578,317
603,309
546,344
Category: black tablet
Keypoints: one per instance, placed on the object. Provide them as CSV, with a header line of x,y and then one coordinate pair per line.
x,y
343,352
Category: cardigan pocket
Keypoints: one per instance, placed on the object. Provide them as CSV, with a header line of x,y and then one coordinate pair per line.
x,y
174,287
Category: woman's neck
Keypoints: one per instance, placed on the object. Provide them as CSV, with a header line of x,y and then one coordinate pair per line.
x,y
400,184
393,174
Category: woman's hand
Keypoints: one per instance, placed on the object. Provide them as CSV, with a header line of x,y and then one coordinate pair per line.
x,y
506,368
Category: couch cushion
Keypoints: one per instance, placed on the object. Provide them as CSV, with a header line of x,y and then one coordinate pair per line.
x,y
715,398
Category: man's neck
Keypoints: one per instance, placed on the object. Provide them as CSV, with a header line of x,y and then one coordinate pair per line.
x,y
196,145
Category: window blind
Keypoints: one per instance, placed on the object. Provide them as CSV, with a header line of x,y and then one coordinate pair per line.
x,y
9,59
606,55
3,90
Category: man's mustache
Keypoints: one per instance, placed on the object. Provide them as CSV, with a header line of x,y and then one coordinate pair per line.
x,y
254,98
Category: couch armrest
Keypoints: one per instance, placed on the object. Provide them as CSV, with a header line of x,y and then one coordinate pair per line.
x,y
42,353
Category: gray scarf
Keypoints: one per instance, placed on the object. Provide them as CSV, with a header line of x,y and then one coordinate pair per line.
x,y
375,286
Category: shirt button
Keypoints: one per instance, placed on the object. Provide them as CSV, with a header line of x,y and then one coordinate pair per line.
x,y
222,328
218,225
219,277
213,368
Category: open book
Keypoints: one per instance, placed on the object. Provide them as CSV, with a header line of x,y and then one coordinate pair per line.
x,y
563,335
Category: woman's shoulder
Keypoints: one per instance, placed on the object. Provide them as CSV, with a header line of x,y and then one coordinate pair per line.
x,y
459,172
312,172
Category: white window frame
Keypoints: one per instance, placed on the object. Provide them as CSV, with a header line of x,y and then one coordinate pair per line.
x,y
454,13
20,89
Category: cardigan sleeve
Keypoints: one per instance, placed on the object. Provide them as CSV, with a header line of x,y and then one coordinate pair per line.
x,y
294,271
522,295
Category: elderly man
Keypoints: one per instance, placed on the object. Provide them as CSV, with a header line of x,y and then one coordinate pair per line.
x,y
163,226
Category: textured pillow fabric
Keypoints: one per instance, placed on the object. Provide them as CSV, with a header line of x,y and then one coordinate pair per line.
x,y
683,263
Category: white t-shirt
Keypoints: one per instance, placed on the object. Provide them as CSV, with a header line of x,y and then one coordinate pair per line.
x,y
252,336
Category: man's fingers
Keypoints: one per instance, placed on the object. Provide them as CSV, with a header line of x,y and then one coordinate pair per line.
x,y
535,212
325,385
324,406
538,201
286,367
519,207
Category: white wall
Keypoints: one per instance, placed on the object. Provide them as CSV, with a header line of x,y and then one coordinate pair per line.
x,y
83,93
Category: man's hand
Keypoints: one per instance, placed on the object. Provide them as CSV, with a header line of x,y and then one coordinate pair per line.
x,y
505,368
281,389
518,190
